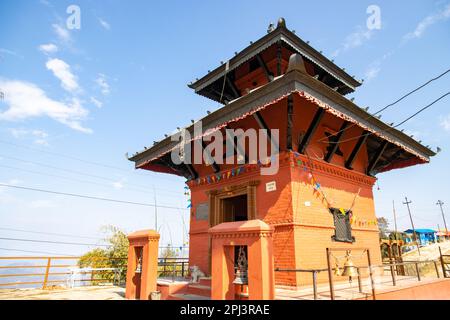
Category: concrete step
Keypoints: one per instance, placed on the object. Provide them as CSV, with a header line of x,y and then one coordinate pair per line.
x,y
205,281
199,289
187,296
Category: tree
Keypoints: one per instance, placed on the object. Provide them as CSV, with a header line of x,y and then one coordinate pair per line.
x,y
383,225
113,256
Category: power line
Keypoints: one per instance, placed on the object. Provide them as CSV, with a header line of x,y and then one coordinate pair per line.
x,y
393,127
391,104
76,172
74,179
50,233
88,197
75,158
39,252
53,242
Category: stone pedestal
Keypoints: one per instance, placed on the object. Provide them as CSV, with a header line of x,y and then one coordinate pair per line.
x,y
144,248
257,236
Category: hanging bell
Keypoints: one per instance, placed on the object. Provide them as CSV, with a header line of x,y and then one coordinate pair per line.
x,y
241,276
337,270
349,268
139,264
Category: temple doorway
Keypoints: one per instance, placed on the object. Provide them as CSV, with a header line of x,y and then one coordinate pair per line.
x,y
235,208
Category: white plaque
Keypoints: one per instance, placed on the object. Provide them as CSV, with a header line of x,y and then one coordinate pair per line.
x,y
271,186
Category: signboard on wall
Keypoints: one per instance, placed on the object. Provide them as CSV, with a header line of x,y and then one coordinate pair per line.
x,y
202,211
271,186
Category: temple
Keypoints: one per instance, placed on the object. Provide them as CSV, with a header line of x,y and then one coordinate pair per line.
x,y
330,151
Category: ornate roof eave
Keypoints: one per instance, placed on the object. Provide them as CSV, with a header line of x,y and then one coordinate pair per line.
x,y
279,34
309,88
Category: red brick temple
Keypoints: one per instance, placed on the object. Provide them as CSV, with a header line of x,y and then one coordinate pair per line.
x,y
330,152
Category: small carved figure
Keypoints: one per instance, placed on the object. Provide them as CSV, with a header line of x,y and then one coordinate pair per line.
x,y
196,273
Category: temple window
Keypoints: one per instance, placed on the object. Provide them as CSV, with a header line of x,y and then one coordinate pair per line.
x,y
343,229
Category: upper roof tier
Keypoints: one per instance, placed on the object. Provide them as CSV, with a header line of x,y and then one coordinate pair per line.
x,y
266,59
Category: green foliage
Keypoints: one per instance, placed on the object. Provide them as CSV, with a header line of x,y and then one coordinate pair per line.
x,y
113,256
383,225
397,236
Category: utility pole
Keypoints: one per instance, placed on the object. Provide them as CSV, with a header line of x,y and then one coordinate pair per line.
x,y
412,223
395,219
440,203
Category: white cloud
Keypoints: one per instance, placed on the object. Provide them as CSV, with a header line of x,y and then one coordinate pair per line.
x,y
104,24
26,100
62,71
62,33
117,185
96,102
372,72
40,204
445,122
48,48
103,84
39,136
354,40
428,21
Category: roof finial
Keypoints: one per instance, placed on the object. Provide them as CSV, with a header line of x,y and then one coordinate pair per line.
x,y
296,63
281,23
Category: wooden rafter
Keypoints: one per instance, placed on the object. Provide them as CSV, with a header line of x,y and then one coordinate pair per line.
x,y
214,165
278,58
335,142
237,148
191,170
311,130
233,87
262,124
361,141
264,66
376,157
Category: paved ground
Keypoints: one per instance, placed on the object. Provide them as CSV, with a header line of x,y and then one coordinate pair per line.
x,y
350,291
80,293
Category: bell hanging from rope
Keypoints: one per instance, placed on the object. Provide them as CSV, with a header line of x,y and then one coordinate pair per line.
x,y
337,270
139,266
349,268
241,276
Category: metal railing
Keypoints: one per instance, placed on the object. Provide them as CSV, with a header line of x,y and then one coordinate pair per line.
x,y
393,267
173,267
47,271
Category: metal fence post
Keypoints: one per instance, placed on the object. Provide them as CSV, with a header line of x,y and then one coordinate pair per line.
x,y
330,274
436,268
394,282
371,275
418,271
314,274
182,269
359,280
47,270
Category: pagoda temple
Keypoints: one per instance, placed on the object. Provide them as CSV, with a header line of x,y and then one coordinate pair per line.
x,y
330,151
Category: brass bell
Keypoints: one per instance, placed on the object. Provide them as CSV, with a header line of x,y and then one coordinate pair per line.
x,y
139,263
337,270
349,268
241,268
241,277
138,267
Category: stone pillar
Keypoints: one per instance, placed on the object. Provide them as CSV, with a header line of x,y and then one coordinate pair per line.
x,y
257,236
144,246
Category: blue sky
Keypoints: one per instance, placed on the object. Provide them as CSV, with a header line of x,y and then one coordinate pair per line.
x,y
119,83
